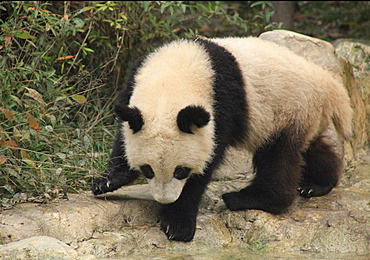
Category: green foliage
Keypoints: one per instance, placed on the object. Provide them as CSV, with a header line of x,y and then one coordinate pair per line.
x,y
61,64
331,20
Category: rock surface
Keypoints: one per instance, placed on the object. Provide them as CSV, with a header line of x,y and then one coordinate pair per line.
x,y
358,55
124,224
335,226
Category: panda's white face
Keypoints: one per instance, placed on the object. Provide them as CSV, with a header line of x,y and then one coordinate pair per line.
x,y
166,155
174,96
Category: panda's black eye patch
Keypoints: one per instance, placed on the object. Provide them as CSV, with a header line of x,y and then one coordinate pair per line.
x,y
181,172
147,171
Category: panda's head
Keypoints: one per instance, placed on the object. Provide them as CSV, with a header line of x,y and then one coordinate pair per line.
x,y
168,157
168,124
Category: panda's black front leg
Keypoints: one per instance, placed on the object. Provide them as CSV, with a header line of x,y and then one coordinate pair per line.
x,y
178,219
118,172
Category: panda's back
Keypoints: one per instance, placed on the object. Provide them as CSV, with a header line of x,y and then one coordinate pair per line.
x,y
283,88
273,71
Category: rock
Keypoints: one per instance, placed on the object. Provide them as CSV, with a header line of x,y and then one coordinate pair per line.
x,y
40,247
76,219
115,226
357,52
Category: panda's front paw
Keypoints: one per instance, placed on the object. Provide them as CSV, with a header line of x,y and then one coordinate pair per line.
x,y
179,228
100,185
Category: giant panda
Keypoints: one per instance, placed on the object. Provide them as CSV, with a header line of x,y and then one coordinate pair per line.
x,y
191,99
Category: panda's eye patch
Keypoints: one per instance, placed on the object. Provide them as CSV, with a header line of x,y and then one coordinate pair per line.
x,y
181,172
147,171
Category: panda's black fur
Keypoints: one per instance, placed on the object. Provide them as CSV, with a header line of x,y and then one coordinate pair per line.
x,y
314,171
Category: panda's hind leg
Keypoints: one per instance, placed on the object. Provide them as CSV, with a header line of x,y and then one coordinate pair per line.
x,y
277,166
321,170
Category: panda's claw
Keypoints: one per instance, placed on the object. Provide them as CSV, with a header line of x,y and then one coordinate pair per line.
x,y
100,185
167,229
305,192
309,190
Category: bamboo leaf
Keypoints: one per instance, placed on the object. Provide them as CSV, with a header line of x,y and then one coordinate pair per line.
x,y
33,123
35,95
24,35
16,99
27,159
2,159
9,144
8,114
79,98
65,57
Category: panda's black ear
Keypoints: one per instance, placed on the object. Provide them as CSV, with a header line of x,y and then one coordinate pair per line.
x,y
192,115
130,114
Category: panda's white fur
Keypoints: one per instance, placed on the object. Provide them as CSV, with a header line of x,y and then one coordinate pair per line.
x,y
163,87
281,88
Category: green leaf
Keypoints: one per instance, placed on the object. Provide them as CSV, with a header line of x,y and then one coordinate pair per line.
x,y
61,155
8,188
79,22
88,49
79,98
26,135
24,35
27,159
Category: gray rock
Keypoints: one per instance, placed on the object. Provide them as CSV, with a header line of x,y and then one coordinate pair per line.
x,y
115,226
40,247
357,52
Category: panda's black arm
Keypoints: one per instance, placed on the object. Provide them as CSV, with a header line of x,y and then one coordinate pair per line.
x,y
178,219
118,172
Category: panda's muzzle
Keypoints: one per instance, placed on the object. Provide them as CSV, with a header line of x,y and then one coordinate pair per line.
x,y
166,190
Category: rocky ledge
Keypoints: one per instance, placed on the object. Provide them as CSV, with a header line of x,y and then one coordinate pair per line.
x,y
121,225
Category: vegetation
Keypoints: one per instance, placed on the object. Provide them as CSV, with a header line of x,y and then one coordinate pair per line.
x,y
61,65
330,20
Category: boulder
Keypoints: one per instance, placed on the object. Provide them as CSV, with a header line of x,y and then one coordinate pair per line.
x,y
40,247
357,52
